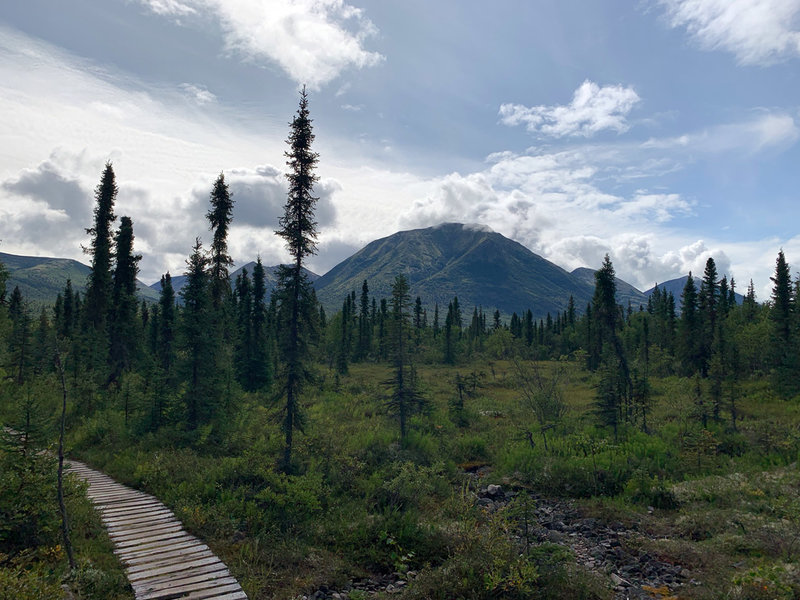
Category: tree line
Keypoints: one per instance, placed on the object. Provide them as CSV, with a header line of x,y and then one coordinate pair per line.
x,y
194,355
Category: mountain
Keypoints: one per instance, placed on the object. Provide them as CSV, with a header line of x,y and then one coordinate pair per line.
x,y
41,279
481,267
676,287
270,278
625,291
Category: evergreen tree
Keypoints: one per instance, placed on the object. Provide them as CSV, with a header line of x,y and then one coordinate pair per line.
x,y
689,349
165,326
298,229
708,308
449,335
260,371
364,325
123,329
200,394
20,340
244,326
219,218
783,342
405,400
68,311
99,286
749,304
42,351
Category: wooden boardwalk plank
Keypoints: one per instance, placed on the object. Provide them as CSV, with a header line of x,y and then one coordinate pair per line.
x,y
161,560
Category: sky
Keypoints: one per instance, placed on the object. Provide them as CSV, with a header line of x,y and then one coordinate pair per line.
x,y
659,132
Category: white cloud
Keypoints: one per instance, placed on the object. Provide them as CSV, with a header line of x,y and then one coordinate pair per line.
x,y
313,41
199,94
593,109
758,32
768,130
169,7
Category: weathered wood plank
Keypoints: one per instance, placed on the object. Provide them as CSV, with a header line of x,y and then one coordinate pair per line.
x,y
181,591
134,553
155,572
195,575
168,554
171,560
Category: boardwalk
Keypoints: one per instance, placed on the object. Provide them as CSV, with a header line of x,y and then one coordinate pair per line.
x,y
161,560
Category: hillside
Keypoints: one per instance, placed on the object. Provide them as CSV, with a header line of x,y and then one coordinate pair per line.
x,y
481,267
41,279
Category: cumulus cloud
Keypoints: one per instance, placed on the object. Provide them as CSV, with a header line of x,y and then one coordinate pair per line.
x,y
313,41
757,32
593,109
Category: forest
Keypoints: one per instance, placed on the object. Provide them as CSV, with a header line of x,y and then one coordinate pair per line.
x,y
386,451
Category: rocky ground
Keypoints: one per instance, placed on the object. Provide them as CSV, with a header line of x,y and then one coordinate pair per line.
x,y
605,548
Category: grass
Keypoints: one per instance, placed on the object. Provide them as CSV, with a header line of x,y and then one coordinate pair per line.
x,y
724,503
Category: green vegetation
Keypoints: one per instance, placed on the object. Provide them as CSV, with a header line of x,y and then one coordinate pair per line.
x,y
271,428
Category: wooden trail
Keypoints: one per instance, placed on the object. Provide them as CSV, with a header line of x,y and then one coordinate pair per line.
x,y
161,560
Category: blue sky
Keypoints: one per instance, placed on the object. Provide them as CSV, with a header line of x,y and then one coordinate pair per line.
x,y
661,132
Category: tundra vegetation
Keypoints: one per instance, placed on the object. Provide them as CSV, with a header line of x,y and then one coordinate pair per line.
x,y
312,450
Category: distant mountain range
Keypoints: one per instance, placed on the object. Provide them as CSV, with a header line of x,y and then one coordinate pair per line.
x,y
479,266
41,279
676,287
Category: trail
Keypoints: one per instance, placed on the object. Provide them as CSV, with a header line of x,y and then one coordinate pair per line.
x,y
161,560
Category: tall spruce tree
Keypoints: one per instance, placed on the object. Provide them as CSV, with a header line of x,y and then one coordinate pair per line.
x,y
123,329
296,300
405,400
364,325
99,286
260,372
783,343
219,218
200,393
689,348
708,307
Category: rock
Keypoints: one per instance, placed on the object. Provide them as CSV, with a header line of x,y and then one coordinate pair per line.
x,y
617,580
494,491
411,574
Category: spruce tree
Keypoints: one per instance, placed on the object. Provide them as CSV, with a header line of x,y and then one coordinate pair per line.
x,y
296,301
219,218
783,343
260,372
244,327
708,309
166,326
364,324
19,347
689,348
405,400
200,394
99,286
123,329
